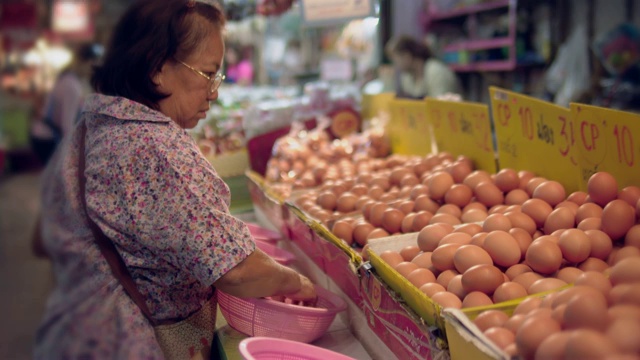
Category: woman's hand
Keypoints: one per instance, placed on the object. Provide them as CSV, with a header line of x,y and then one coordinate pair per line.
x,y
306,294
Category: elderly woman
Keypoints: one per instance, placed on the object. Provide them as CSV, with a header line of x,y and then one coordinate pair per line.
x,y
134,218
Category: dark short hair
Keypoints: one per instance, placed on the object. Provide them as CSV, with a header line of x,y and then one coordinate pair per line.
x,y
407,44
150,33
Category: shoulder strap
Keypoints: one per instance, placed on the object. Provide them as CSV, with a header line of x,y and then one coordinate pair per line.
x,y
108,250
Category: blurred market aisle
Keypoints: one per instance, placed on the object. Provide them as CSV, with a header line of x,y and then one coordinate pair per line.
x,y
25,280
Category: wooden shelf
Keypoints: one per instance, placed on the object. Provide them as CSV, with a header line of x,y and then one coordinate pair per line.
x,y
482,66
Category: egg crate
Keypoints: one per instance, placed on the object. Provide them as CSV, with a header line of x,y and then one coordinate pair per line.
x,y
427,309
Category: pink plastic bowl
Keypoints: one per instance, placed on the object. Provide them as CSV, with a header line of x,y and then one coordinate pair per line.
x,y
260,233
262,317
280,255
264,348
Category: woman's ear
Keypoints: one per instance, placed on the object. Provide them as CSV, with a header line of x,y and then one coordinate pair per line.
x,y
159,75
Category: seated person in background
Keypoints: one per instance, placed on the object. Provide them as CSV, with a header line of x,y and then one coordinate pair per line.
x,y
418,73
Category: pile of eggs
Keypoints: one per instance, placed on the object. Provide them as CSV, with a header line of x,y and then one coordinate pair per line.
x,y
395,186
525,248
597,318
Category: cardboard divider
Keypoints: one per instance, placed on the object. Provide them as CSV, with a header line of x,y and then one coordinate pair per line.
x,y
396,325
302,235
268,202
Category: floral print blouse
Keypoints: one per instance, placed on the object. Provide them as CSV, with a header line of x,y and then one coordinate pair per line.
x,y
159,200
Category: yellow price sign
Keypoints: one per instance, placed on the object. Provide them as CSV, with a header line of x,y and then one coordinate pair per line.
x,y
463,128
409,131
608,140
535,135
375,105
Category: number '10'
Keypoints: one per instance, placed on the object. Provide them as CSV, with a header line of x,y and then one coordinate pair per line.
x,y
624,141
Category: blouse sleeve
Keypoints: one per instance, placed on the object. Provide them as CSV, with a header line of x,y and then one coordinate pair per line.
x,y
155,199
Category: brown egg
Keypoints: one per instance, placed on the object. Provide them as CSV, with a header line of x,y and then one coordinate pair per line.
x,y
561,218
568,204
527,305
420,276
496,222
503,248
624,312
377,213
423,260
568,274
601,244
445,218
431,289
450,209
550,191
460,170
375,192
514,322
527,279
626,271
617,218
472,180
507,180
593,264
406,206
543,285
484,278
630,194
417,191
393,258
590,224
475,299
408,253
533,184
578,306
509,291
538,210
516,270
398,173
405,268
524,177
346,202
327,200
521,221
445,277
490,318
361,231
407,223
595,280
430,236
474,215
516,197
602,188
392,220
575,245
578,197
380,181
439,183
421,220
544,256
467,256
343,230
623,253
442,257
447,300
455,287
588,210
624,334
478,239
533,332
589,344
455,238
488,194
377,233
523,238
409,180
459,195
501,337
424,202
553,347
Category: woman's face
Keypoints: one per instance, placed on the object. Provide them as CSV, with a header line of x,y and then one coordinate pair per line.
x,y
189,96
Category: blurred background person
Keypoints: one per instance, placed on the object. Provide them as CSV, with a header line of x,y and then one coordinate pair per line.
x,y
418,73
63,103
239,66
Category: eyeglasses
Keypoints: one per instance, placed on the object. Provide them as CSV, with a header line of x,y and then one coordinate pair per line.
x,y
214,81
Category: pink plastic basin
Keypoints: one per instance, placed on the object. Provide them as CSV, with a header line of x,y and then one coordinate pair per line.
x,y
280,255
265,348
260,233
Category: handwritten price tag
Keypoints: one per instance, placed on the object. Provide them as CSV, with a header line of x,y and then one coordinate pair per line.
x,y
608,140
463,128
535,135
408,129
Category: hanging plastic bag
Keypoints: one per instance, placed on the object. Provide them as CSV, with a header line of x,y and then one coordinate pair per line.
x,y
569,75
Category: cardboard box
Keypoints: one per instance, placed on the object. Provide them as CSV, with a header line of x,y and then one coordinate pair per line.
x,y
397,326
302,235
267,201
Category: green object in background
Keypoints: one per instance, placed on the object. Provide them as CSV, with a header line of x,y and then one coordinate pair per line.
x,y
240,196
14,126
